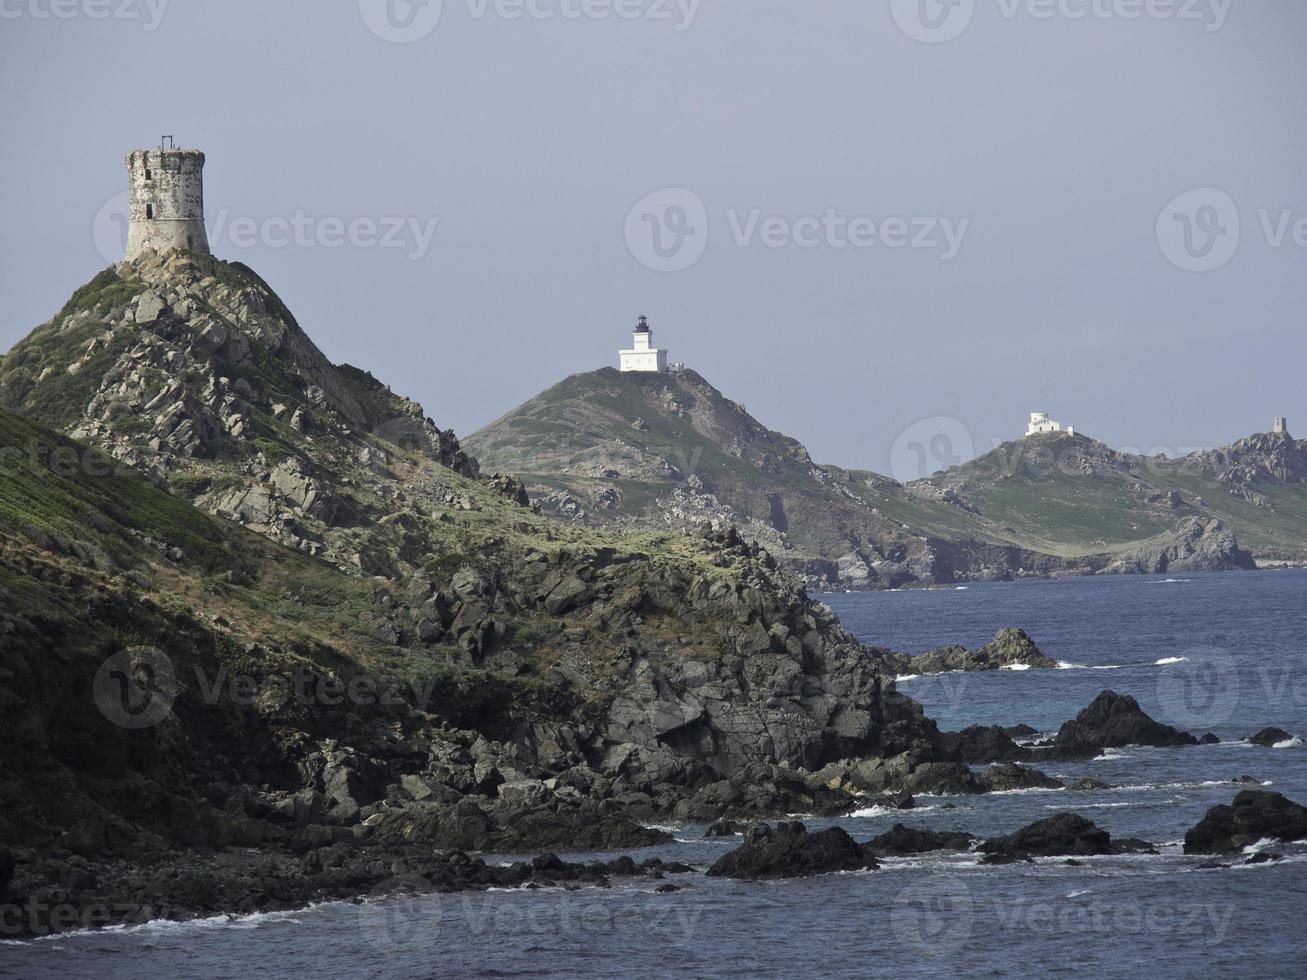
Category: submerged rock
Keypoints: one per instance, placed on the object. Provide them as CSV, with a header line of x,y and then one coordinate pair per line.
x,y
789,851
1254,815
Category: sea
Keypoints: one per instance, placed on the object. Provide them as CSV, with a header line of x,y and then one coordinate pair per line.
x,y
1225,653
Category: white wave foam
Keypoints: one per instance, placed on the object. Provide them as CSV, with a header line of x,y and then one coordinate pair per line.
x,y
1015,667
907,677
1068,665
1170,660
1078,892
1288,743
1170,581
1109,755
880,811
961,588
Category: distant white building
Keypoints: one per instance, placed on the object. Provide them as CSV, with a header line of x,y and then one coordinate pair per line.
x,y
643,356
1040,422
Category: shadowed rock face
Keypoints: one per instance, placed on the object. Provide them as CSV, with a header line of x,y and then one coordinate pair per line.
x,y
1110,721
1062,834
1253,815
1268,737
789,851
901,840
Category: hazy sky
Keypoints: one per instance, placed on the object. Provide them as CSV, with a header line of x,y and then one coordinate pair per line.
x,y
868,213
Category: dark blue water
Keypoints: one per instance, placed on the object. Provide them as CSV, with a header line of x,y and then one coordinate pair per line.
x,y
1221,653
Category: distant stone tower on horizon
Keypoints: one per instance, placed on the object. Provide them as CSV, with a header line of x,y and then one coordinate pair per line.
x,y
643,355
1281,426
167,200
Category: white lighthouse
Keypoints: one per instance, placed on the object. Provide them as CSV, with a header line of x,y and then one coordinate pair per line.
x,y
643,356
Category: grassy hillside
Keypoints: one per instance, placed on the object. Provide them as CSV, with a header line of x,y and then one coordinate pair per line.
x,y
652,450
667,450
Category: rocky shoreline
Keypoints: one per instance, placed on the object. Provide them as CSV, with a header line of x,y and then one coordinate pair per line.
x,y
265,852
50,896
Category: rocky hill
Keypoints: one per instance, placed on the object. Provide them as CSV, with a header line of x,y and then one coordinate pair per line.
x,y
669,451
251,599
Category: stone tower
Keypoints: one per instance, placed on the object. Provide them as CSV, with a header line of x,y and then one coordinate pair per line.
x,y
167,201
1281,425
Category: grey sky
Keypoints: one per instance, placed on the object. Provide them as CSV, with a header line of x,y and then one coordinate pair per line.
x,y
1052,143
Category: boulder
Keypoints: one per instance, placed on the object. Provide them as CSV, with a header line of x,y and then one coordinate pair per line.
x,y
1010,776
1268,737
1254,815
1113,720
980,744
1063,833
899,840
789,851
724,828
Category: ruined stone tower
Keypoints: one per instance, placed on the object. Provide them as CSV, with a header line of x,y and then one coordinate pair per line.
x,y
167,201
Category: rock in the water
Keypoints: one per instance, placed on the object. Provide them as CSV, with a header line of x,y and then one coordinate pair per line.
x,y
899,840
1011,647
1086,783
1268,737
724,828
998,779
1113,720
1254,815
980,744
789,851
1063,833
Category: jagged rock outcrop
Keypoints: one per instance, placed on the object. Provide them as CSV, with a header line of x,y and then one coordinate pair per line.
x,y
900,840
1113,720
1197,546
1061,834
1254,815
789,851
1011,647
